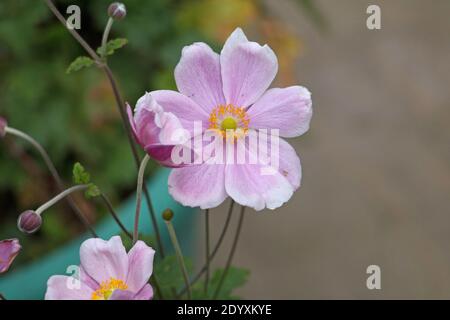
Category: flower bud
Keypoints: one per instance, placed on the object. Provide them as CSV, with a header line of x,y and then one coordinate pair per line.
x,y
117,10
29,221
3,125
167,214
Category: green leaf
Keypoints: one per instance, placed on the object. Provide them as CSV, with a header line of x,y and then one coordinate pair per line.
x,y
80,175
80,63
169,274
111,46
235,278
92,191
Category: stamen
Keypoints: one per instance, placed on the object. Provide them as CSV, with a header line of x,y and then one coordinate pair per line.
x,y
231,118
107,288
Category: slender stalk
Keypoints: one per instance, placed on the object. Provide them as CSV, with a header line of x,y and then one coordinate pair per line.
x,y
105,36
216,248
207,250
60,196
114,214
51,167
121,108
140,182
179,254
233,250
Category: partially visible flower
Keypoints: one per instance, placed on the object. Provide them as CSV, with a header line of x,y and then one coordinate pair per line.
x,y
107,272
9,249
227,92
3,124
29,221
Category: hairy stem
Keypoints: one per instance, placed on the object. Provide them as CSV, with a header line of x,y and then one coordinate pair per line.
x,y
120,106
114,214
140,182
231,255
51,167
105,37
179,254
60,196
216,248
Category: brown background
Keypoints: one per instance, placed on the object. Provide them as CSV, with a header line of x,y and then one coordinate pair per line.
x,y
376,162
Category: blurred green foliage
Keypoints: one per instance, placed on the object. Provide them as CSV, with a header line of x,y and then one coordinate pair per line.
x,y
74,116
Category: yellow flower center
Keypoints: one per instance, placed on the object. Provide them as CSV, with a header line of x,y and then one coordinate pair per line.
x,y
229,118
107,288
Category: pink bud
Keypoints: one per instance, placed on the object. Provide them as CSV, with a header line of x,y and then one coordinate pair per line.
x,y
117,10
29,221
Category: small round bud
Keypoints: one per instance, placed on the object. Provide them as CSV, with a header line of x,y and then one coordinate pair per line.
x,y
29,221
3,125
167,215
117,10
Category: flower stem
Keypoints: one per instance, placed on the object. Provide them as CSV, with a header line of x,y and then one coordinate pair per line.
x,y
121,108
176,246
216,248
233,250
60,196
207,250
105,37
51,167
140,182
115,215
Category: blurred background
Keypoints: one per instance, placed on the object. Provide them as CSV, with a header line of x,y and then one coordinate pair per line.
x,y
376,162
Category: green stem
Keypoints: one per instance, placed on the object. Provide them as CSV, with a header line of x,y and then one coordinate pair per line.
x,y
51,167
230,257
140,182
60,196
115,215
105,37
216,248
207,250
179,254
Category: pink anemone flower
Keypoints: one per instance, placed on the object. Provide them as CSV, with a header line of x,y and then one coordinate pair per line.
x,y
107,272
226,92
9,249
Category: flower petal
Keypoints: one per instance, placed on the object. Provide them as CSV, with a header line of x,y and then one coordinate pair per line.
x,y
9,249
247,69
182,107
122,295
268,183
288,110
140,266
198,76
103,260
145,294
63,288
198,186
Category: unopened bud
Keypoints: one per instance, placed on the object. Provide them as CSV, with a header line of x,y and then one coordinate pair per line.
x,y
167,215
3,125
117,10
29,221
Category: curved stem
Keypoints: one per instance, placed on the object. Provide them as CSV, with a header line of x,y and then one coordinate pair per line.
x,y
121,107
105,36
233,250
60,196
216,248
53,172
179,254
207,250
115,215
140,182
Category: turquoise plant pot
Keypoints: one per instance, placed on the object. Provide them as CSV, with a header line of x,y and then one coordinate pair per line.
x,y
29,282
